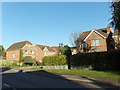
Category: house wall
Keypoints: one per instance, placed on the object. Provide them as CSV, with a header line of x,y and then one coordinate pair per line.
x,y
102,43
9,55
39,54
48,53
29,48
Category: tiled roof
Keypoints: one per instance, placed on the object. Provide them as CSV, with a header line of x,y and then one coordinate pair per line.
x,y
102,31
48,47
18,45
58,49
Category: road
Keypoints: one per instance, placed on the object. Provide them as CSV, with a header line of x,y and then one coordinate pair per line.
x,y
30,80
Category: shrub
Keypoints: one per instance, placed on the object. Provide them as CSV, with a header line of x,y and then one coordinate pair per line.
x,y
98,60
21,55
28,59
9,63
54,60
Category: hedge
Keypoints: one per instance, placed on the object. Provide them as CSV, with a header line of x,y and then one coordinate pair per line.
x,y
55,60
108,60
28,59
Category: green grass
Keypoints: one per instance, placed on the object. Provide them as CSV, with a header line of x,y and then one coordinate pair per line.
x,y
91,73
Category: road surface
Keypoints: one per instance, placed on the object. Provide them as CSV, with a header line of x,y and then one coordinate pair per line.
x,y
30,80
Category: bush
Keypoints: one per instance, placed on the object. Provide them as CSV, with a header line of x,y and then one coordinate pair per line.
x,y
54,60
98,60
8,63
28,59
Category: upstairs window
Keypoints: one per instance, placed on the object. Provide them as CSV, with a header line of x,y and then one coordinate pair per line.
x,y
45,54
25,51
95,43
32,52
13,55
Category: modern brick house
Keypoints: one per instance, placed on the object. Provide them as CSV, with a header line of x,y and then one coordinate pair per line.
x,y
13,52
95,40
44,51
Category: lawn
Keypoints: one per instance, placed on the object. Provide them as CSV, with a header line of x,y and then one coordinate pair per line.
x,y
91,73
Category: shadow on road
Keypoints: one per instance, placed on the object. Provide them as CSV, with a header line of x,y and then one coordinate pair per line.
x,y
36,79
43,79
3,69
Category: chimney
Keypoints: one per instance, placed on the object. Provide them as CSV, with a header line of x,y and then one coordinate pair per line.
x,y
109,29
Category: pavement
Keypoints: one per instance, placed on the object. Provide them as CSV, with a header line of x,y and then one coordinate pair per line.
x,y
96,82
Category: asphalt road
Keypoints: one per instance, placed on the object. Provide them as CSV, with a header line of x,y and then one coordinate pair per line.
x,y
15,79
28,80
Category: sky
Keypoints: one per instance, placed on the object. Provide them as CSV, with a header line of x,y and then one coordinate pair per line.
x,y
50,23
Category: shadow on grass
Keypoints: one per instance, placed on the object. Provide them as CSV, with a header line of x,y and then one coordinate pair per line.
x,y
103,83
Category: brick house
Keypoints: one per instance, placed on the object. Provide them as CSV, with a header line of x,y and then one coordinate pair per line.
x,y
95,40
43,50
13,52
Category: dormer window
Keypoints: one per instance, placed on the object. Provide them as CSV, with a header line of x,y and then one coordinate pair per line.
x,y
32,52
25,51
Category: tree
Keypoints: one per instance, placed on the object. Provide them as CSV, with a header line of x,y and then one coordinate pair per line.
x,y
21,56
67,51
115,11
74,39
60,47
2,51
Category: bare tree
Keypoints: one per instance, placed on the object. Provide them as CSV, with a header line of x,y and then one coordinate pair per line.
x,y
74,39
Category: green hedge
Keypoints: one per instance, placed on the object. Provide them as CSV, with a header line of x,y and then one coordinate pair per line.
x,y
28,59
98,60
54,60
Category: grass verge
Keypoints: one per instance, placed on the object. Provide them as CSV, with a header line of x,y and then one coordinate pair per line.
x,y
91,73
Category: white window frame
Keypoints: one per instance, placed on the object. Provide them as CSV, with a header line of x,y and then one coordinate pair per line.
x,y
32,52
45,53
26,50
13,55
95,43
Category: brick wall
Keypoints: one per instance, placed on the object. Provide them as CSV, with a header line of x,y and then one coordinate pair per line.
x,y
9,55
39,54
102,43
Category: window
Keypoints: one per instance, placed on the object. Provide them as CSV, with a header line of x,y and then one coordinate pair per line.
x,y
13,55
95,43
45,53
32,52
82,45
25,51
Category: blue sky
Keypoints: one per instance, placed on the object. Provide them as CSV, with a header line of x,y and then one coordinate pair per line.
x,y
50,23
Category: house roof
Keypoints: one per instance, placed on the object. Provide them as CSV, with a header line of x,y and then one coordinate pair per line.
x,y
102,31
48,47
18,45
115,32
56,48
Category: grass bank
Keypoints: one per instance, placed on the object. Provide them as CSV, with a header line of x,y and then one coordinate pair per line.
x,y
91,73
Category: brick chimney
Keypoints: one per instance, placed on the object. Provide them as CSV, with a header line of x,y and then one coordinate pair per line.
x,y
109,29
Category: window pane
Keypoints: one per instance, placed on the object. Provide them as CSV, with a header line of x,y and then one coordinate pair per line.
x,y
97,42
